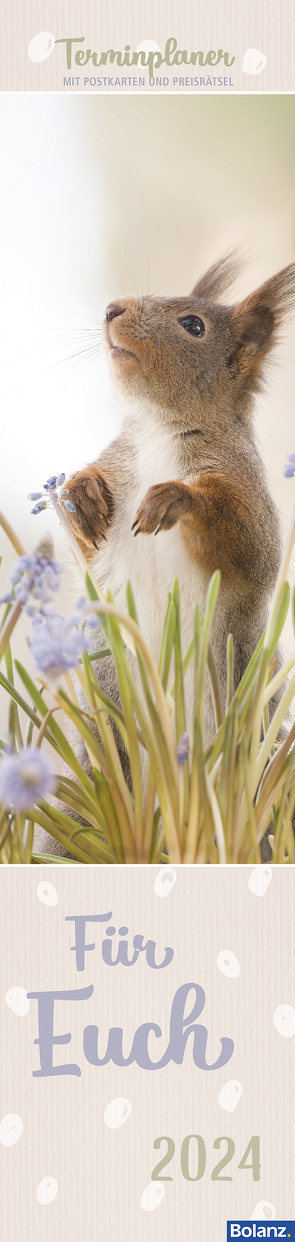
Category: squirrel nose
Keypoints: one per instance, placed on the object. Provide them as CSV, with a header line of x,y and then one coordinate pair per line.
x,y
113,311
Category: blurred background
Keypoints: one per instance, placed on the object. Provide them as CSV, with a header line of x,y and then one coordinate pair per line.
x,y
103,196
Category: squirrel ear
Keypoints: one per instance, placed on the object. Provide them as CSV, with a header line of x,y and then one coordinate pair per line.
x,y
256,321
219,278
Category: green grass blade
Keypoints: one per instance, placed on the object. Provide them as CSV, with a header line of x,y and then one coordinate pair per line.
x,y
52,859
54,733
212,596
59,827
167,644
293,609
215,688
98,655
279,619
230,671
179,689
13,721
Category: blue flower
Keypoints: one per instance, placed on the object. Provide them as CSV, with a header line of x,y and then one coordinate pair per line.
x,y
94,621
44,499
182,750
289,468
25,778
35,574
41,504
75,616
56,644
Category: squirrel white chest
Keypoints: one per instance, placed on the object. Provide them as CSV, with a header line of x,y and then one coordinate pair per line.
x,y
151,563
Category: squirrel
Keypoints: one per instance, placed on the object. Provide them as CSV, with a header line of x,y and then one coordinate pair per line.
x,y
185,467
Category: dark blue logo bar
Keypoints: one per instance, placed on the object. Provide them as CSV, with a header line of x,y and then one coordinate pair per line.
x,y
256,1229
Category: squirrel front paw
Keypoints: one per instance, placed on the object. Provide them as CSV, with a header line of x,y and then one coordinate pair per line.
x,y
89,493
163,506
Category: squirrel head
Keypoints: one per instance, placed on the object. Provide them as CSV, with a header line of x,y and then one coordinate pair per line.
x,y
195,360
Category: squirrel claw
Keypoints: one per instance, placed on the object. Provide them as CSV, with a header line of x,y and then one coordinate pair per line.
x,y
102,536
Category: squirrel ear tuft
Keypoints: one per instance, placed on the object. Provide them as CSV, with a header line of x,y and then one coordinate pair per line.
x,y
256,321
219,278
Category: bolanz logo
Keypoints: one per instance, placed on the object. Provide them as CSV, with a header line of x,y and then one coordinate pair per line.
x,y
254,1229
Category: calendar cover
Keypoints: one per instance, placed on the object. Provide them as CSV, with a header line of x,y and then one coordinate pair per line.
x,y
147,615
146,1070
148,1025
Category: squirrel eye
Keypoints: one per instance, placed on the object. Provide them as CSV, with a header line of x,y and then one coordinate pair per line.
x,y
193,324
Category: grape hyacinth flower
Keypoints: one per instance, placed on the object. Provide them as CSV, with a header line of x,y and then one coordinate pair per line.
x,y
57,644
26,777
183,749
289,468
53,486
35,574
55,496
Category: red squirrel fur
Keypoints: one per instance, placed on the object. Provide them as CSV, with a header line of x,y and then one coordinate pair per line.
x,y
185,466
203,387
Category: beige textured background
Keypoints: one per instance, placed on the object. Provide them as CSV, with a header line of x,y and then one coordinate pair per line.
x,y
101,197
101,1172
233,25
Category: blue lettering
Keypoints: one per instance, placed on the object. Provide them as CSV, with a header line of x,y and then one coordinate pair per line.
x,y
179,1037
122,955
80,948
46,1037
177,1044
149,949
180,1029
